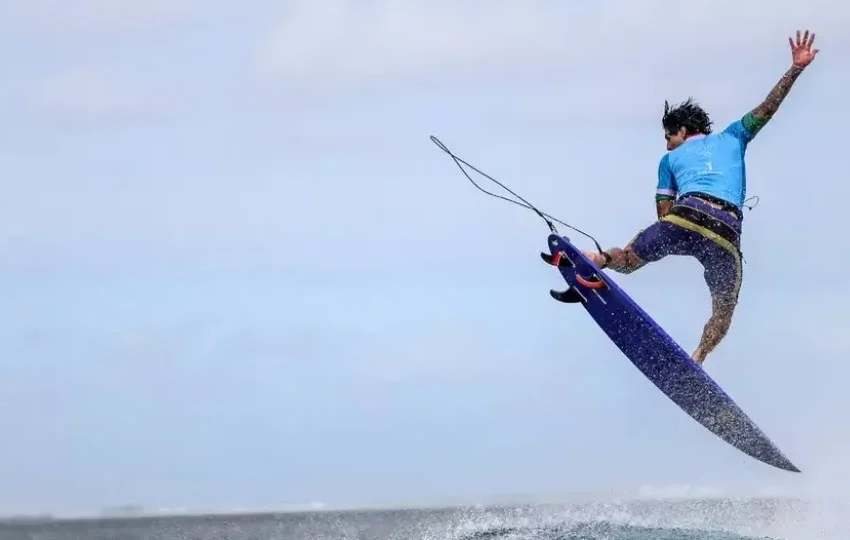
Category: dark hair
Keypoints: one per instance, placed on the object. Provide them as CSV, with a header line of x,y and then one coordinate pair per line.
x,y
688,115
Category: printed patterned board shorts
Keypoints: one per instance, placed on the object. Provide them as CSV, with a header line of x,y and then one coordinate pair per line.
x,y
697,228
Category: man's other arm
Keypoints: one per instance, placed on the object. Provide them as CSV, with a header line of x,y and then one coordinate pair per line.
x,y
663,206
665,193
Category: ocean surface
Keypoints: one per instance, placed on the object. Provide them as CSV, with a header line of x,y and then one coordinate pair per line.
x,y
717,519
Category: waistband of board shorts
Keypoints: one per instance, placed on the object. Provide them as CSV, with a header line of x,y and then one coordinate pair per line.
x,y
716,203
709,219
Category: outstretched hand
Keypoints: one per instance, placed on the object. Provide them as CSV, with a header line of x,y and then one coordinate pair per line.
x,y
802,53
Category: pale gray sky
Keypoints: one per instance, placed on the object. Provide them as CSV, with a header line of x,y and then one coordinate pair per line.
x,y
236,272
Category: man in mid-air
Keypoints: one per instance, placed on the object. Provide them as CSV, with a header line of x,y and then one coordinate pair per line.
x,y
700,196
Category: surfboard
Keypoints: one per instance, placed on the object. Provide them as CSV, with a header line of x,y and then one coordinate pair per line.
x,y
657,355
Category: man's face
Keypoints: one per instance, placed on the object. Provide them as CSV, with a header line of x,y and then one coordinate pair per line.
x,y
674,139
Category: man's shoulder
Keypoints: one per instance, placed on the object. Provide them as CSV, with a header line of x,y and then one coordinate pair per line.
x,y
743,129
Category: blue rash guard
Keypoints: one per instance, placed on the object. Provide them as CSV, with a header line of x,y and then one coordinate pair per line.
x,y
710,164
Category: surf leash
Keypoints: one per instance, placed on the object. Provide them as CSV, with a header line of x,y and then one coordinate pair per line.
x,y
549,219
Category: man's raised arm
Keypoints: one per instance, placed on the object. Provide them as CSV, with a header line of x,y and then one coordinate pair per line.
x,y
802,55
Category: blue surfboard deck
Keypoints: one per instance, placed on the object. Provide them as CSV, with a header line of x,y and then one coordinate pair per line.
x,y
663,361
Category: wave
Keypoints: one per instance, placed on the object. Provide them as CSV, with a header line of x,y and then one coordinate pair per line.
x,y
600,531
688,519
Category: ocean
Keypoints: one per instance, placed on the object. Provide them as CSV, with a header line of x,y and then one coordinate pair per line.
x,y
706,519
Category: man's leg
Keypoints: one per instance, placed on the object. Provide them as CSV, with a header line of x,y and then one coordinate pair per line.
x,y
622,260
715,329
649,245
723,275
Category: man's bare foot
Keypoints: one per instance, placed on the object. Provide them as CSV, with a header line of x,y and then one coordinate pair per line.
x,y
698,356
595,257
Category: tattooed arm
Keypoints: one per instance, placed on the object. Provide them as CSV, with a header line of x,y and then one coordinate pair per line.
x,y
802,55
771,103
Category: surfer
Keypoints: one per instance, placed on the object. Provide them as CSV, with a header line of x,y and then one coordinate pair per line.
x,y
700,196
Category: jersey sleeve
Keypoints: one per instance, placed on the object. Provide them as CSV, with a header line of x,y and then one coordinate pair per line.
x,y
746,128
666,189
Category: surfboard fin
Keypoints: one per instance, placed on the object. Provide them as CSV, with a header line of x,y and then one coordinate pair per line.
x,y
560,259
570,296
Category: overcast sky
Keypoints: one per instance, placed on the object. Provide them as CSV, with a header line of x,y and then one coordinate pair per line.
x,y
236,272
